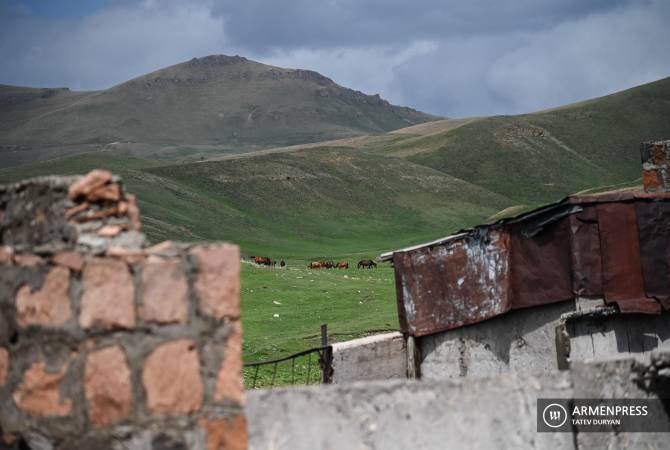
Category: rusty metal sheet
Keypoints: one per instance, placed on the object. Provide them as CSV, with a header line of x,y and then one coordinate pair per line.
x,y
453,284
540,265
653,221
622,267
585,252
617,196
587,246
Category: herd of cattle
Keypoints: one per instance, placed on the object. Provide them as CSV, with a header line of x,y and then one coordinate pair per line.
x,y
362,264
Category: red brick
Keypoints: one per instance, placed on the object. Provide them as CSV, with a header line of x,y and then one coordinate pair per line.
x,y
8,438
39,393
651,180
76,210
133,212
165,292
229,384
6,254
50,305
218,280
130,256
657,154
107,386
109,192
28,260
109,230
160,247
70,259
4,365
108,298
171,378
93,180
225,434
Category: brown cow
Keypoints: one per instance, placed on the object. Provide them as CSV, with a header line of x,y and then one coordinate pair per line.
x,y
262,260
314,265
342,265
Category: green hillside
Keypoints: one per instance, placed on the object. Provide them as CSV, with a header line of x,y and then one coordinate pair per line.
x,y
303,204
543,156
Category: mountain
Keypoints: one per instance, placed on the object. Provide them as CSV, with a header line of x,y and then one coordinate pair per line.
x,y
361,195
211,105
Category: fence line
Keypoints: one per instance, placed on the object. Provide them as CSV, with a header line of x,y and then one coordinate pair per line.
x,y
325,361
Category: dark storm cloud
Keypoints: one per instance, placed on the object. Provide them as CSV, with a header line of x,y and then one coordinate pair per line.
x,y
449,57
263,25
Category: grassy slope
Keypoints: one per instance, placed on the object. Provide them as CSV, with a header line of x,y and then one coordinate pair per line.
x,y
350,199
588,144
300,205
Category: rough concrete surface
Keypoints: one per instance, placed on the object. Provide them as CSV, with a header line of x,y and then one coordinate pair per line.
x,y
618,336
525,340
521,340
382,415
378,357
496,412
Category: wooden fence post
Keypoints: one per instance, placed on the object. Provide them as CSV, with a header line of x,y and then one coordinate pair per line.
x,y
413,358
327,368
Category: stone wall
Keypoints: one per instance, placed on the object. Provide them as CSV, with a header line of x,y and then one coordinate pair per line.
x,y
106,343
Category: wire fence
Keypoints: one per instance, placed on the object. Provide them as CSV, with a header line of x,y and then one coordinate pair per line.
x,y
311,366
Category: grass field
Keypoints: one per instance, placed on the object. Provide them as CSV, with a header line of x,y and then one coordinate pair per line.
x,y
352,302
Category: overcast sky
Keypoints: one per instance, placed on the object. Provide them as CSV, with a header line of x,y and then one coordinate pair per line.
x,y
449,57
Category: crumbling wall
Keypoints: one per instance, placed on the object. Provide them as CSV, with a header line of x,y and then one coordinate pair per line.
x,y
377,357
106,343
483,413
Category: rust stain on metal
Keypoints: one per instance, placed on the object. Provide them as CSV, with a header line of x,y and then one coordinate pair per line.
x,y
453,284
653,221
541,265
587,274
622,268
614,246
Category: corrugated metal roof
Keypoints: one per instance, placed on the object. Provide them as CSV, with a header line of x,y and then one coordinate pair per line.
x,y
614,245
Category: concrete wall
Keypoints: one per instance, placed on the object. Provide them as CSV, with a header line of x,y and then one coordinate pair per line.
x,y
484,413
113,345
378,357
526,340
521,340
621,336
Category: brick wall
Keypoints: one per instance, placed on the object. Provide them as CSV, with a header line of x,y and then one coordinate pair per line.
x,y
108,343
656,166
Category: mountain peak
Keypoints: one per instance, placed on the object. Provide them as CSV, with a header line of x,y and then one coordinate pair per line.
x,y
216,60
